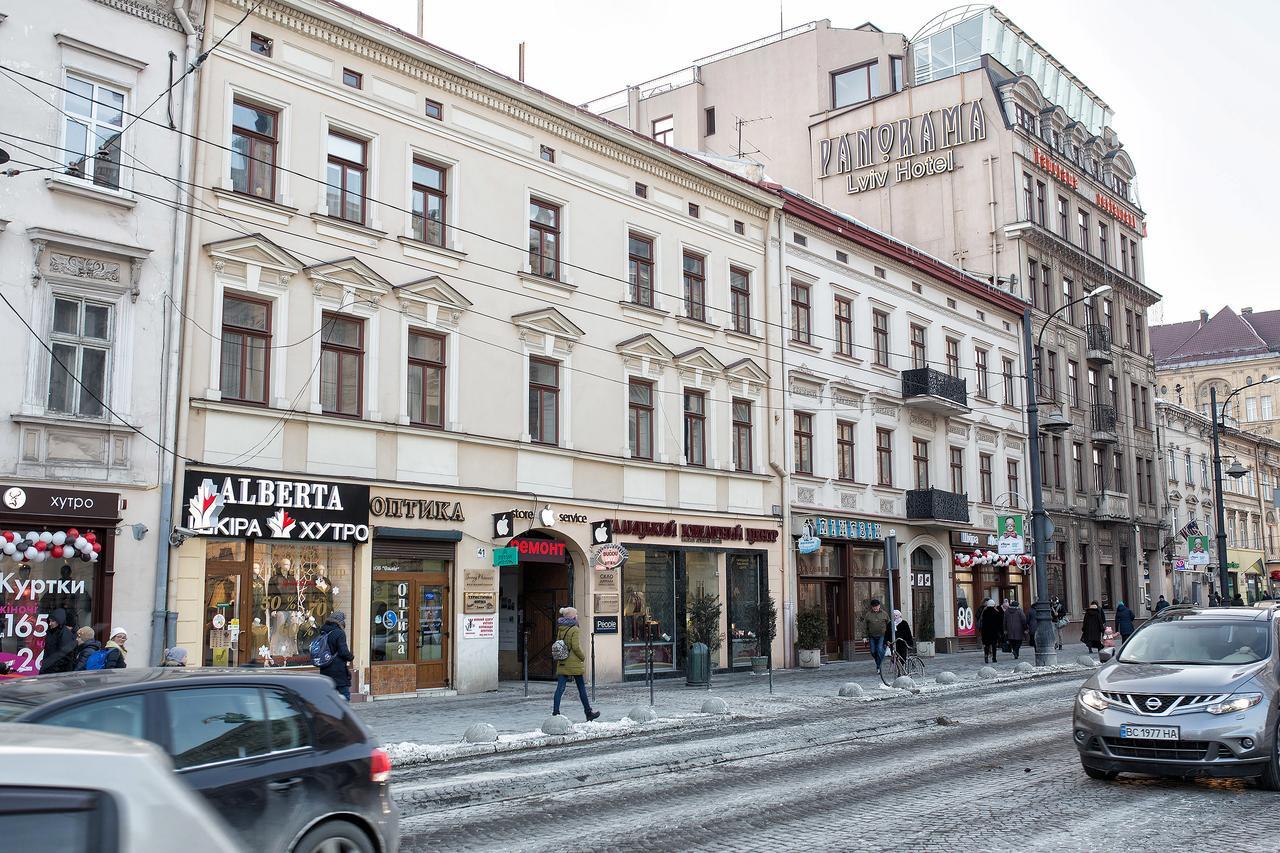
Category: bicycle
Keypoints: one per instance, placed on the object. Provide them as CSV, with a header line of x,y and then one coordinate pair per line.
x,y
895,665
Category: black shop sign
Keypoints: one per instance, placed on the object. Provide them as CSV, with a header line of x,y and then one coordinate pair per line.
x,y
226,504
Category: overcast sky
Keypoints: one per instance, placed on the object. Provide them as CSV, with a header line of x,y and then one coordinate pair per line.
x,y
1199,122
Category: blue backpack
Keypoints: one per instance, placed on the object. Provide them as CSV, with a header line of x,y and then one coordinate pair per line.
x,y
98,659
321,653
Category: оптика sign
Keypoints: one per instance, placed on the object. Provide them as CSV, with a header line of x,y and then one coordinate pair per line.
x,y
227,504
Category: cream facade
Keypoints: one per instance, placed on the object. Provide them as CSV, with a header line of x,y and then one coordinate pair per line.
x,y
367,319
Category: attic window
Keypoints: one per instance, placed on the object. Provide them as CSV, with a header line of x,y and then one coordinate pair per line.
x,y
915,286
951,303
547,153
642,190
739,227
354,79
842,257
434,109
880,273
800,239
693,210
260,44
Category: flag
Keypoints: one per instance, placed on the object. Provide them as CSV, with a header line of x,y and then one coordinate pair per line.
x,y
1191,528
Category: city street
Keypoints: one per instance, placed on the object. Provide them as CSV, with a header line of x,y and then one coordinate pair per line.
x,y
870,776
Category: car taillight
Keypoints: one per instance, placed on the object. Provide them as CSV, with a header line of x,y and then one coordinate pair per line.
x,y
379,766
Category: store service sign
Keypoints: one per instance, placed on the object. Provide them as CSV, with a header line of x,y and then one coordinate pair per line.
x,y
226,504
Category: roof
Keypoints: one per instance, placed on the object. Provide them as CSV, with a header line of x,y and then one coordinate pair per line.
x,y
1225,336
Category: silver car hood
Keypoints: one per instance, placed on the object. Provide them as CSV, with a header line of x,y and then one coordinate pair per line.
x,y
1172,679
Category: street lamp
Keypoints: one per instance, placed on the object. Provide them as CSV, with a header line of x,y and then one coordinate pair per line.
x,y
1234,470
1046,654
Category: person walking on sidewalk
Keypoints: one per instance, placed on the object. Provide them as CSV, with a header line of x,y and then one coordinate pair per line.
x,y
331,654
876,625
1058,611
574,665
1015,627
1091,629
1124,621
902,632
1161,604
990,626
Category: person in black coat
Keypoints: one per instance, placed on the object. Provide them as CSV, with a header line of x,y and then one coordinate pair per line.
x,y
1091,629
902,633
1124,621
59,645
334,634
990,627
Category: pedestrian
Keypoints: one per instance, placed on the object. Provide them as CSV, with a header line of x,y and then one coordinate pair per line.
x,y
1015,627
1109,638
876,625
991,627
1032,619
1161,604
59,645
112,655
1124,620
1237,601
1058,611
176,656
1091,629
331,654
902,633
85,647
574,664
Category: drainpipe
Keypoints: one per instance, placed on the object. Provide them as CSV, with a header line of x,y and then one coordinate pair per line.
x,y
161,622
991,205
788,574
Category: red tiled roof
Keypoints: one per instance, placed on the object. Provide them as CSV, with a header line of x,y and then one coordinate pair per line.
x,y
1226,335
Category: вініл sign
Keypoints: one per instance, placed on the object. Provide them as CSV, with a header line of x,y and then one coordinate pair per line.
x,y
607,603
478,580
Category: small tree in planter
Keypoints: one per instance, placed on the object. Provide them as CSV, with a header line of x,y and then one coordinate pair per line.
x,y
765,615
925,635
811,634
703,615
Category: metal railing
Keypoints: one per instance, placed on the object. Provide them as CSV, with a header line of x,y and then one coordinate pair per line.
x,y
1099,337
938,505
1103,418
925,381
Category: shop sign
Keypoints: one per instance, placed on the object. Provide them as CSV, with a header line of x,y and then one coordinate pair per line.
x,y
1113,209
694,532
845,528
604,625
478,580
1011,542
539,550
33,501
602,531
267,508
1179,565
609,602
966,539
503,524
479,627
1198,550
609,556
1055,169
506,557
808,544
607,580
479,602
416,509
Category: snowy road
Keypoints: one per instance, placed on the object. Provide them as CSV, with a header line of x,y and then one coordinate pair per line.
x,y
870,776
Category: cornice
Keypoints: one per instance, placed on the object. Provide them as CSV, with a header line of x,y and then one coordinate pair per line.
x,y
147,11
347,41
1093,269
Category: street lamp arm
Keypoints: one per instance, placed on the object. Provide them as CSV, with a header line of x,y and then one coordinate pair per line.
x,y
1047,320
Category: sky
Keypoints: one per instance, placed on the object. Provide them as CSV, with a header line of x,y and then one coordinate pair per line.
x,y
1178,99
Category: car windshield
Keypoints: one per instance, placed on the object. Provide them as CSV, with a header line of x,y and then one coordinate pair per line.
x,y
1198,643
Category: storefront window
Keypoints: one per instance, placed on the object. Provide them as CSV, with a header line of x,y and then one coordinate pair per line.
x,y
746,589
390,629
867,582
824,562
964,615
649,596
62,584
702,578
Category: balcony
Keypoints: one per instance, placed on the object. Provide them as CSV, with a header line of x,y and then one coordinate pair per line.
x,y
1102,424
1110,506
937,505
1099,336
935,391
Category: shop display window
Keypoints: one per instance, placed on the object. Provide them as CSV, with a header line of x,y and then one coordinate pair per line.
x,y
746,589
702,578
35,590
823,562
649,598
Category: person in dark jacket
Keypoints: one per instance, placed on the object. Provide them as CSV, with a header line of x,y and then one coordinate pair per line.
x,y
115,649
1124,621
1161,604
1091,629
906,643
991,627
574,666
1059,612
335,636
59,645
1015,627
1031,626
85,646
1237,601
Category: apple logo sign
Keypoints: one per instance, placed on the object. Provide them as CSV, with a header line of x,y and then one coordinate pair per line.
x,y
547,517
602,532
502,524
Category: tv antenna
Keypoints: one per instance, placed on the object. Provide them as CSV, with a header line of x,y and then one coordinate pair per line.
x,y
740,121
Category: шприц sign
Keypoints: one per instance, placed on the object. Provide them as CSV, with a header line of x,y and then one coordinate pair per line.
x,y
221,504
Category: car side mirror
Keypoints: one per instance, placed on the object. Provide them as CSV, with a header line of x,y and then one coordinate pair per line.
x,y
1106,655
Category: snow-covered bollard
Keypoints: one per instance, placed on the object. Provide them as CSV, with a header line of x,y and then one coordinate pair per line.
x,y
987,673
1086,660
557,725
482,733
947,678
904,682
1023,666
851,690
715,705
642,714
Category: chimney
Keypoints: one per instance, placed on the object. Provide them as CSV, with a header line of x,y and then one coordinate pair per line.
x,y
1204,316
1246,310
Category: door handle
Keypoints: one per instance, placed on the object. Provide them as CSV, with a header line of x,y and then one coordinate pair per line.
x,y
279,786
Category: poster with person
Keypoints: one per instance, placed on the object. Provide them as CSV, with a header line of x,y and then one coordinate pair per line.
x,y
1198,550
1011,541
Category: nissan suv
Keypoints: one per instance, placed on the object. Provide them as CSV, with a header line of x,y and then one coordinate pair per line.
x,y
1192,693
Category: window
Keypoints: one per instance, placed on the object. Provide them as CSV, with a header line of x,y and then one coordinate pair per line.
x,y
1099,473
742,435
1138,346
253,150
1187,460
1266,409
426,378
803,443
429,202
957,470
980,357
1112,393
842,257
544,401
855,85
341,365
709,120
801,326
844,326
985,485
1014,488
1044,461
640,418
879,272
117,715
1073,382
1133,402
642,190
799,239
1040,203
354,79
884,457
81,343
695,287
880,336
739,227
664,130
1051,366
1007,377
1077,464
694,210
92,127
1094,398
953,357
346,177
260,44
1133,257
640,268
544,239
1064,218
1103,231
920,460
246,340
434,109
1028,194
1082,220
1118,463
1146,407
695,432
212,724
1046,288
845,450
895,74
1024,118
547,153
1057,462
1068,296
1124,253
919,353
1251,409
1033,283
1149,465
740,299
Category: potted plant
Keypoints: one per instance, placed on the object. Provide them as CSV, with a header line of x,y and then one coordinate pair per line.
x,y
925,637
811,634
703,614
766,619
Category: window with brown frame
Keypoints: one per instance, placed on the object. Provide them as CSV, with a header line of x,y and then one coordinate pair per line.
x,y
433,109
260,44
844,326
664,130
640,418
547,153
1099,471
957,470
880,336
1104,231
982,372
1044,462
695,428
1028,196
709,119
642,190
426,378
845,469
1040,203
246,344
804,443
953,357
354,79
855,85
1006,370
985,484
1119,484
342,365
1077,465
884,456
695,287
739,227
919,352
1082,220
694,210
1046,288
1015,497
801,313
254,133
1064,219
345,176
1073,382
1033,283
1069,294
544,239
920,459
740,299
640,268
544,401
742,459
430,197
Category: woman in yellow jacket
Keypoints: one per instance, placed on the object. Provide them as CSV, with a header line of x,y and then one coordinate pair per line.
x,y
573,666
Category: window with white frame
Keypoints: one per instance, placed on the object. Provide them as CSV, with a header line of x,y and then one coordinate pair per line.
x,y
81,341
92,126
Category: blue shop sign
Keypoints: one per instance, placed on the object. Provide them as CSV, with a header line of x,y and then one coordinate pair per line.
x,y
846,528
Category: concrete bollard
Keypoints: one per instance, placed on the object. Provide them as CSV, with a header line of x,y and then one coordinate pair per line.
x,y
642,714
851,689
904,682
1086,660
481,733
987,673
1023,666
947,678
715,705
557,725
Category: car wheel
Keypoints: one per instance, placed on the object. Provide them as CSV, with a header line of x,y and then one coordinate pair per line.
x,y
1100,775
1271,773
336,836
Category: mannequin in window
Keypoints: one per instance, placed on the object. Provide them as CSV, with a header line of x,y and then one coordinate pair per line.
x,y
285,619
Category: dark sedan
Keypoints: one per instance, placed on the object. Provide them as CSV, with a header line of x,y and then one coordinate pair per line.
x,y
279,755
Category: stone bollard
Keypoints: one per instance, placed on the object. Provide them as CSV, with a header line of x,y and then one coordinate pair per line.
x,y
904,682
851,689
987,673
1023,666
642,714
557,725
715,705
483,733
1086,660
947,678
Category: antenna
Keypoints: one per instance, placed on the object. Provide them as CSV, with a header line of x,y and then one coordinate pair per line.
x,y
521,62
740,121
422,18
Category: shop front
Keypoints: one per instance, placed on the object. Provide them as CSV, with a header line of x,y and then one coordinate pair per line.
x,y
841,576
979,573
56,553
1247,573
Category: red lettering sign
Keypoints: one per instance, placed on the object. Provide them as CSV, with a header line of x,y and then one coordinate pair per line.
x,y
539,550
1111,207
1053,167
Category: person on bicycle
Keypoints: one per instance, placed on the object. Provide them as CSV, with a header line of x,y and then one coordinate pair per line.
x,y
902,633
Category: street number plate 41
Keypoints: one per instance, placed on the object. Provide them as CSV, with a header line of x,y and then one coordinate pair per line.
x,y
1149,732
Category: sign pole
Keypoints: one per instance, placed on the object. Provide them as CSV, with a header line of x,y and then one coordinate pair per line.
x,y
526,661
648,655
891,566
593,667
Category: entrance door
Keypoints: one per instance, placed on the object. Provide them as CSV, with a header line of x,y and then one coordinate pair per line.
x,y
546,590
411,626
433,634
834,602
225,569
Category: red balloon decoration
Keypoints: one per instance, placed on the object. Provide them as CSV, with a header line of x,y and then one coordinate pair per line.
x,y
8,536
91,536
73,533
97,547
40,546
56,551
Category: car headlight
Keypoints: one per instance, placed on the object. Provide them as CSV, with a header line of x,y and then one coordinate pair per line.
x,y
1232,704
1093,699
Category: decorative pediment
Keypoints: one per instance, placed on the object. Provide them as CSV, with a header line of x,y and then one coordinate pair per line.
x,y
645,346
699,358
748,371
548,321
349,275
433,289
253,250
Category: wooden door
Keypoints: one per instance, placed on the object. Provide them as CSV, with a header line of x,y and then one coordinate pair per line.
x,y
431,653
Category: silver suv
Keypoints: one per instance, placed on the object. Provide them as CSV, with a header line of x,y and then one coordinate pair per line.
x,y
1192,693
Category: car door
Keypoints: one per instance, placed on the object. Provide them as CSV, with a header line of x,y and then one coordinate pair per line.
x,y
297,786
118,714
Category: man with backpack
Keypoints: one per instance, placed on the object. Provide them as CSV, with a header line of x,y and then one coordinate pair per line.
x,y
570,661
110,656
330,653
